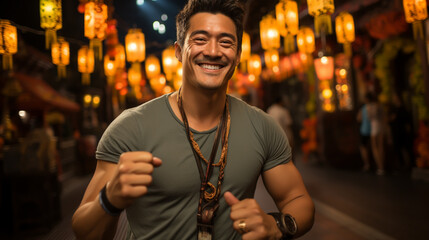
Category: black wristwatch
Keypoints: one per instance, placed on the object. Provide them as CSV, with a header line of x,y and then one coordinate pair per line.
x,y
286,223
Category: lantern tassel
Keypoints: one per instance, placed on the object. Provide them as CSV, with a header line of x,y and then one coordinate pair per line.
x,y
86,78
417,30
289,44
50,37
347,49
7,62
62,73
97,47
322,22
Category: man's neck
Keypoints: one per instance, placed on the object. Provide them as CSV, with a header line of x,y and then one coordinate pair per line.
x,y
203,110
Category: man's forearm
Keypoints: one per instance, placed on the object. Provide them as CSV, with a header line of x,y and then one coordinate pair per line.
x,y
302,209
90,221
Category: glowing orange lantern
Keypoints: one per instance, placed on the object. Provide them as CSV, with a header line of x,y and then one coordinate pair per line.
x,y
254,65
158,83
152,66
305,40
95,25
270,37
345,30
245,47
415,13
324,68
8,43
50,19
109,69
287,19
135,78
134,75
321,10
135,45
271,58
169,62
60,52
85,63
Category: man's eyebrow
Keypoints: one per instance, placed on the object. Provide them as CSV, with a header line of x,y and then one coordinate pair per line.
x,y
224,34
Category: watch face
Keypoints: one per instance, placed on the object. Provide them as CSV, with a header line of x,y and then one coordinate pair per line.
x,y
290,224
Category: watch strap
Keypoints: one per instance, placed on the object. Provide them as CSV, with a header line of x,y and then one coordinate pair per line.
x,y
279,217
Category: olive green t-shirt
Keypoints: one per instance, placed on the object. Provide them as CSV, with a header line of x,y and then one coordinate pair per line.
x,y
169,209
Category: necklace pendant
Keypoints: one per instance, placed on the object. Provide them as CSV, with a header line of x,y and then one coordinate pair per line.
x,y
204,235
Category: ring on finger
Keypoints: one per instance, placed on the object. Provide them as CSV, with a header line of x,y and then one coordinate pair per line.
x,y
242,226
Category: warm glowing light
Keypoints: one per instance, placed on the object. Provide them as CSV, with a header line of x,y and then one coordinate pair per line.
x,y
50,19
270,36
254,65
87,99
305,40
321,11
135,45
287,17
169,62
95,101
343,73
152,67
415,10
245,47
324,67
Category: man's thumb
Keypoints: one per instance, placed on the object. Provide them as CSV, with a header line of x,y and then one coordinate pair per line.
x,y
230,198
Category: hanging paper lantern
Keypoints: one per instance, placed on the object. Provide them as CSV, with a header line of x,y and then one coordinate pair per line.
x,y
306,44
60,52
245,47
134,75
287,19
51,19
95,25
158,83
305,40
120,56
254,65
324,68
109,69
321,10
85,63
169,62
345,30
271,58
135,45
415,13
270,37
8,43
152,66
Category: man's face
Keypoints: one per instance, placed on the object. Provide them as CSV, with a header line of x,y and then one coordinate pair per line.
x,y
210,52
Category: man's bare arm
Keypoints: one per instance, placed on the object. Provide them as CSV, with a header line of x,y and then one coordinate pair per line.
x,y
285,185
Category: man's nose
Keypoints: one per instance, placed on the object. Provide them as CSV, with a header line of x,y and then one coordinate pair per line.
x,y
212,49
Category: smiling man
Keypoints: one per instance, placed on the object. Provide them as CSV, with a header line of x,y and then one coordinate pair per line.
x,y
185,165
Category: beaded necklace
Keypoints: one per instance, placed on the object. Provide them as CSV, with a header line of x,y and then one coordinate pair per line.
x,y
209,194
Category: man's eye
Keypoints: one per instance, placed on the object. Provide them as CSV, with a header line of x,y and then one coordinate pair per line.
x,y
199,40
226,43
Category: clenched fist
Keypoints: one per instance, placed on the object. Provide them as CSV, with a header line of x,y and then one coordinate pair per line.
x,y
132,178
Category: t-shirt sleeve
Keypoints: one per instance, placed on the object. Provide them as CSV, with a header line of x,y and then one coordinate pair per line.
x,y
277,145
119,137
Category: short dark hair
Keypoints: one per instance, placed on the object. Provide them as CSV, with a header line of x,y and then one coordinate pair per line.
x,y
230,8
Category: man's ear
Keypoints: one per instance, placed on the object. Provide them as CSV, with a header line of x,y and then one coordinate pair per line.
x,y
178,51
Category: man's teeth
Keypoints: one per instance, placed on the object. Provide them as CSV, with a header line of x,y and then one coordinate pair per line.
x,y
211,67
